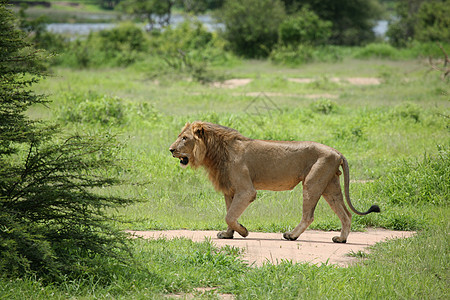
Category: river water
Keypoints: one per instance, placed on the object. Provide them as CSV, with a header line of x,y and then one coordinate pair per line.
x,y
209,22
86,28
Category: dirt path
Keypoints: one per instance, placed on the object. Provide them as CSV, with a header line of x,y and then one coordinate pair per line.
x,y
313,246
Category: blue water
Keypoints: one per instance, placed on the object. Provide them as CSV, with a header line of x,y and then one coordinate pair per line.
x,y
84,28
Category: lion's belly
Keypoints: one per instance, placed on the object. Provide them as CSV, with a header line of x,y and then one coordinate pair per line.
x,y
278,176
279,166
275,186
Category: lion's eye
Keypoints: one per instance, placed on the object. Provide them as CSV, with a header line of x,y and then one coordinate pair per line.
x,y
184,138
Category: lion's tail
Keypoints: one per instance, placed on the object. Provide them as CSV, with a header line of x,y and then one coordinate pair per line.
x,y
373,208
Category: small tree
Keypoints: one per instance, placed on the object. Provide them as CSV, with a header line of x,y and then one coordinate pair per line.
x,y
51,219
153,11
352,20
433,24
420,20
251,25
304,28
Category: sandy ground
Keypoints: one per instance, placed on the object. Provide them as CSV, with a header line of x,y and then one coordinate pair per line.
x,y
237,82
313,246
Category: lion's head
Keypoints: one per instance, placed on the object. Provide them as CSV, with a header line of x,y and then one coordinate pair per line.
x,y
189,146
208,145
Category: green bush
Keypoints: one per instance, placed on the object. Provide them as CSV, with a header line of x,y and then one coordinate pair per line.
x,y
433,22
53,217
408,110
251,27
292,55
191,48
120,46
122,43
188,35
377,51
421,20
418,182
93,108
98,110
301,54
304,28
324,106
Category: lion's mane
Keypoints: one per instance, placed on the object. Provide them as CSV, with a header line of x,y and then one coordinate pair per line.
x,y
212,151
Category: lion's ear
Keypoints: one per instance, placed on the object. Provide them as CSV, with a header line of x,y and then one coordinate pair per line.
x,y
198,129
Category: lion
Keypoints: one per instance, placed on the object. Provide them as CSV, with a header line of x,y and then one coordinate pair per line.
x,y
238,166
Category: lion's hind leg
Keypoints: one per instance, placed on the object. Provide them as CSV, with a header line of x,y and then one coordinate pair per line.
x,y
333,195
310,199
314,184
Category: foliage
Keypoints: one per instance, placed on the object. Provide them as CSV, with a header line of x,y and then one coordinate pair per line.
x,y
17,58
305,27
292,55
52,218
122,43
379,50
324,106
251,27
433,22
199,6
369,126
38,34
187,49
352,20
301,54
120,46
418,182
421,20
155,12
190,48
126,37
94,108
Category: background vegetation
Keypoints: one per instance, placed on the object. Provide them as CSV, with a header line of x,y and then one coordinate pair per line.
x,y
142,86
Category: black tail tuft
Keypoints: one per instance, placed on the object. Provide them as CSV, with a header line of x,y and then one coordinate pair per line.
x,y
374,208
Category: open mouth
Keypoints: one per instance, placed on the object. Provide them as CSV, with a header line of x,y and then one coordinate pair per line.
x,y
184,160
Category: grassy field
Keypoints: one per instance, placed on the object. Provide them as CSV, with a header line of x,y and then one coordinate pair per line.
x,y
395,135
71,12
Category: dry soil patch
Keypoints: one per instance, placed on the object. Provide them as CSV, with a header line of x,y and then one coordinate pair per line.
x,y
350,80
313,246
232,83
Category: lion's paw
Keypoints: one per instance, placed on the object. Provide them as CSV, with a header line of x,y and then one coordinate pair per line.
x,y
338,239
224,235
288,236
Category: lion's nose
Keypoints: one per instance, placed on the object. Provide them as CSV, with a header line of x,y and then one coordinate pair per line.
x,y
171,150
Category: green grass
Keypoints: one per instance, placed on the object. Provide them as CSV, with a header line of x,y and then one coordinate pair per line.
x,y
63,12
395,136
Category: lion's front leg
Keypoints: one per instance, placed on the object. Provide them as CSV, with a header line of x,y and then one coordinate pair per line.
x,y
235,207
227,234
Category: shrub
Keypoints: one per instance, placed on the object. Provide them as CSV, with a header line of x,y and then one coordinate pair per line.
x,y
377,51
52,217
190,48
324,106
304,28
420,20
292,56
93,108
301,54
120,46
98,109
433,22
408,110
251,27
418,182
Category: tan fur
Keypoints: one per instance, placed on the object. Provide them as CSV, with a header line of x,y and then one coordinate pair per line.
x,y
238,166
